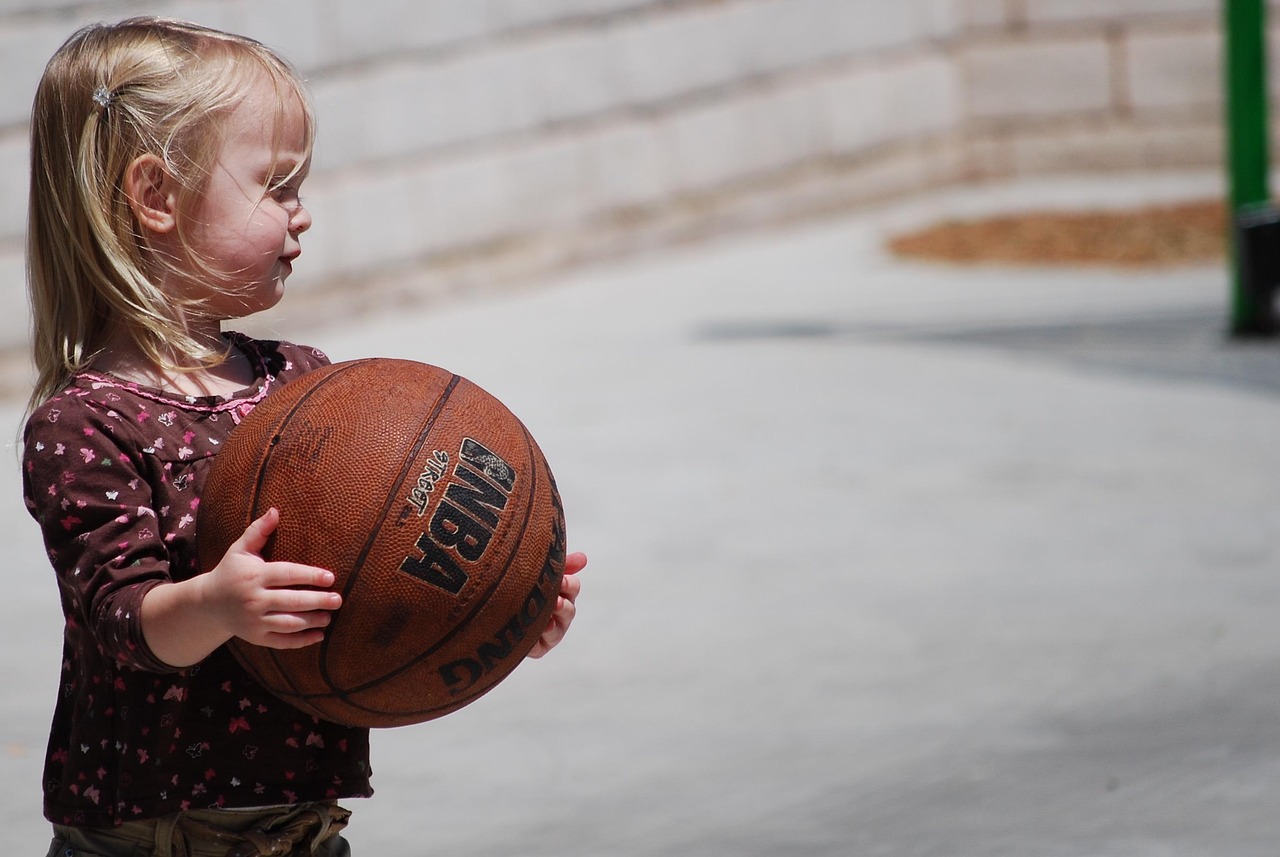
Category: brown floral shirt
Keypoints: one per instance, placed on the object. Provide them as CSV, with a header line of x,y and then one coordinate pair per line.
x,y
112,472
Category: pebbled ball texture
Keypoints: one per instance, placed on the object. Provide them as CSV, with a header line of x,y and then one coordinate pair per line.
x,y
438,515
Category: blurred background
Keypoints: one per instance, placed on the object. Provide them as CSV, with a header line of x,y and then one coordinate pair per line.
x,y
467,145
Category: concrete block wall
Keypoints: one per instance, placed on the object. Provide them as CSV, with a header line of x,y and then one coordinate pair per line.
x,y
465,143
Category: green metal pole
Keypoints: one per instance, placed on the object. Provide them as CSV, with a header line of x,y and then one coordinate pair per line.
x,y
1247,138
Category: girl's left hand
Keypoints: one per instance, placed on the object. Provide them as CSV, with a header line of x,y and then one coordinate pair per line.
x,y
564,611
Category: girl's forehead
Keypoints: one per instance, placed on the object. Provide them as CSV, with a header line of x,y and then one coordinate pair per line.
x,y
271,114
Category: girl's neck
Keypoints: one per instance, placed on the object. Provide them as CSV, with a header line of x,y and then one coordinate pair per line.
x,y
125,360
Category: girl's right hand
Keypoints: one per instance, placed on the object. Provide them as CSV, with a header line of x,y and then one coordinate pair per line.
x,y
281,605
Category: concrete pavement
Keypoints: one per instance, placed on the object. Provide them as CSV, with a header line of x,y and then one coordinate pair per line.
x,y
886,559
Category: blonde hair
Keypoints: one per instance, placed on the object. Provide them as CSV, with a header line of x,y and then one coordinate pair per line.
x,y
109,95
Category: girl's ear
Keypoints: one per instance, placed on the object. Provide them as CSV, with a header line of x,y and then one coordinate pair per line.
x,y
152,194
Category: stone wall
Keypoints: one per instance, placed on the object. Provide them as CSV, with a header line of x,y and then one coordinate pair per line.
x,y
465,143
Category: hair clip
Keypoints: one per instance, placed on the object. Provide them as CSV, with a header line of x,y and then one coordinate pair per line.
x,y
102,96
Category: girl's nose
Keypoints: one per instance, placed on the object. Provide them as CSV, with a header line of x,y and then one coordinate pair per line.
x,y
300,221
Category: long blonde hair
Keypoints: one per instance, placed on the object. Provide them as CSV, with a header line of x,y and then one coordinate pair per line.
x,y
109,95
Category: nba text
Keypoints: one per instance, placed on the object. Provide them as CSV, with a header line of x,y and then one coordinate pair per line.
x,y
464,519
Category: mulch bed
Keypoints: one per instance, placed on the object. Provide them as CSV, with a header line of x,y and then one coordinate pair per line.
x,y
1152,236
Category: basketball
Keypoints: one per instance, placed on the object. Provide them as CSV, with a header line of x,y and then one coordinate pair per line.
x,y
435,510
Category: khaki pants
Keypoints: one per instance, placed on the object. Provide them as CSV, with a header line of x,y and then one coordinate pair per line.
x,y
295,831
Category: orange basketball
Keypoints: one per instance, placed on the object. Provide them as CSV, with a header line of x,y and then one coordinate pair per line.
x,y
437,513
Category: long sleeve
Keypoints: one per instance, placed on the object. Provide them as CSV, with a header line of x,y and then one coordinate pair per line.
x,y
113,473
97,514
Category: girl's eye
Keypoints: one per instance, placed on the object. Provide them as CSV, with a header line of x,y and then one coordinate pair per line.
x,y
287,197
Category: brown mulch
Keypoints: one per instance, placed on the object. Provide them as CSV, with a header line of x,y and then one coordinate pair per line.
x,y
1152,236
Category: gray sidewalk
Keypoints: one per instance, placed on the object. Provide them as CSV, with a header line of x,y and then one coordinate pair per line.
x,y
886,559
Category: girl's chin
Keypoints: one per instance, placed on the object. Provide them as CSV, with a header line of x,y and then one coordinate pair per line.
x,y
261,301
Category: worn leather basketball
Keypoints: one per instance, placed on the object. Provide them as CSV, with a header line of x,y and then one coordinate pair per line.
x,y
438,515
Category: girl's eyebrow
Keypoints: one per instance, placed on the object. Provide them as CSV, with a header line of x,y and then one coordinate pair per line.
x,y
289,164
287,167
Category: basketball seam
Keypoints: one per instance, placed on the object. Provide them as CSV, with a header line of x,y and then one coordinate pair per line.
x,y
344,696
356,568
274,654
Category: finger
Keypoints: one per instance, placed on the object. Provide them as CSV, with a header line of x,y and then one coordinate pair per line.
x,y
561,619
555,630
289,630
293,640
570,586
284,601
557,626
575,562
293,622
276,626
564,614
280,575
255,536
540,648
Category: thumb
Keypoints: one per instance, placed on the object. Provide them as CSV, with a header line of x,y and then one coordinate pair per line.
x,y
575,562
255,537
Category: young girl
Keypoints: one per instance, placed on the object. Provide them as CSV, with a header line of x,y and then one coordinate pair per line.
x,y
166,163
